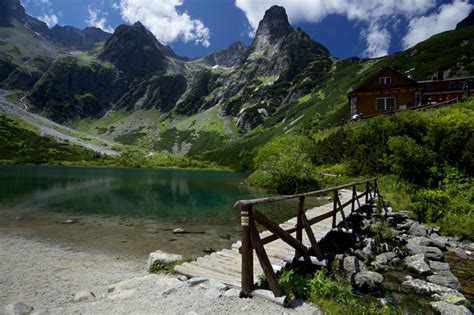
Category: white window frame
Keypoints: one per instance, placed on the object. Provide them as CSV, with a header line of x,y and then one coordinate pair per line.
x,y
385,103
385,80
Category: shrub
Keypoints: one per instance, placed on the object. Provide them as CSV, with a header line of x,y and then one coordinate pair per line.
x,y
431,205
409,159
284,166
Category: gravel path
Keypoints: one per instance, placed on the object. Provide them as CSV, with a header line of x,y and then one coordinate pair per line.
x,y
50,128
47,277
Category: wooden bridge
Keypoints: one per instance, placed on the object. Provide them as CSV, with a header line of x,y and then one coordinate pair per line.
x,y
280,244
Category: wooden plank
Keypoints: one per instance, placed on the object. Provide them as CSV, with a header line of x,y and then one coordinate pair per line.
x,y
284,235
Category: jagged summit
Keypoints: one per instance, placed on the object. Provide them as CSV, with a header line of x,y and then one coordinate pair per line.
x,y
135,51
274,24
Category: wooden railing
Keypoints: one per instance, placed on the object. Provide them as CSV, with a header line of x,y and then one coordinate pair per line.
x,y
251,239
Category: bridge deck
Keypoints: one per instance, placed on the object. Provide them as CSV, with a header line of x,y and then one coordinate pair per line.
x,y
225,265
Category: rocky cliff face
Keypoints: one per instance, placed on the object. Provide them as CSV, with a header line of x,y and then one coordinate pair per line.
x,y
135,51
71,90
74,38
228,57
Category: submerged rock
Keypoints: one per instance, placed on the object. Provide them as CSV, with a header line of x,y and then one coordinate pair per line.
x,y
178,231
368,281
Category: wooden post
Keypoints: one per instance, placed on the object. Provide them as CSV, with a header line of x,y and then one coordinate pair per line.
x,y
354,196
336,197
376,188
247,251
264,261
367,189
299,225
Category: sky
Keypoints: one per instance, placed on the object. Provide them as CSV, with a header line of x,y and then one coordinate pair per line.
x,y
348,28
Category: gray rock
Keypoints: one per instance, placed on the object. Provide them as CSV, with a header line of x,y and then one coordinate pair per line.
x,y
372,247
404,226
430,252
385,258
352,264
438,266
417,229
70,221
459,252
161,257
418,264
439,242
196,280
232,293
422,287
446,280
178,231
217,285
182,278
18,308
83,296
213,294
452,298
170,290
368,281
445,308
405,213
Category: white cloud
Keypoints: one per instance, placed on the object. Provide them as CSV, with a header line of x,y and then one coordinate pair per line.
x,y
96,21
445,18
373,15
164,21
51,19
378,41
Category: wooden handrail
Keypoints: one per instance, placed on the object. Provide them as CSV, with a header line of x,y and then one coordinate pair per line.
x,y
251,202
251,239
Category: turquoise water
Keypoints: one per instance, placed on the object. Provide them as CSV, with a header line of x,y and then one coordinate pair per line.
x,y
164,193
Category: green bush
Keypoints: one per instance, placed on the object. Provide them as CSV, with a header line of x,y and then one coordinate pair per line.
x,y
431,205
284,166
410,160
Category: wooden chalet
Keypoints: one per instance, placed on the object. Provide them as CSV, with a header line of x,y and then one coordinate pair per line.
x,y
388,90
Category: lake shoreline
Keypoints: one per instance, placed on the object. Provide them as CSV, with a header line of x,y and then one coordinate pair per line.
x,y
56,279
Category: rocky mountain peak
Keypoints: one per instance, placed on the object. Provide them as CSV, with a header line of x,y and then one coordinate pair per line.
x,y
227,57
135,51
274,24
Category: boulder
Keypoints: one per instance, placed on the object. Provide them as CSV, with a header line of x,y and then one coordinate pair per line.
x,y
417,229
422,287
84,296
385,258
232,293
430,252
213,293
452,298
18,308
418,264
367,281
352,264
445,308
196,280
438,266
162,257
446,280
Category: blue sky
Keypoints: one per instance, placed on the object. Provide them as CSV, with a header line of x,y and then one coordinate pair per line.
x,y
198,27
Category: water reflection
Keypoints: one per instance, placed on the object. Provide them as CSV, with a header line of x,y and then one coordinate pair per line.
x,y
125,192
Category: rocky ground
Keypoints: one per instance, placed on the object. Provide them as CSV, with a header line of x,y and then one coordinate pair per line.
x,y
39,277
392,242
